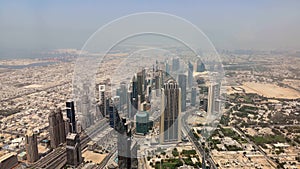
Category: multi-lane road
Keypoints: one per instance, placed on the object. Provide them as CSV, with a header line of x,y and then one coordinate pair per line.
x,y
196,142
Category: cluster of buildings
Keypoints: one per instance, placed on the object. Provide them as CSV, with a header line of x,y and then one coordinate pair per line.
x,y
149,106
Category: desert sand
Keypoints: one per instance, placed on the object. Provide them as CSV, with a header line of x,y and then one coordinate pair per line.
x,y
270,90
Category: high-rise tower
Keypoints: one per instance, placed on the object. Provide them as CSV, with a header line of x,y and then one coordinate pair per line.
x,y
182,85
127,148
134,92
171,110
61,126
85,110
123,94
167,68
56,128
102,99
213,98
74,157
200,66
175,64
71,115
190,75
31,147
193,96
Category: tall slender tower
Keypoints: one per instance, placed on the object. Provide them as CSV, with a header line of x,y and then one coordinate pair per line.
x,y
134,91
102,99
129,103
170,123
193,96
53,130
124,145
71,115
213,98
182,85
175,64
140,85
190,75
167,68
61,126
158,78
56,128
200,66
127,148
85,110
31,147
123,95
74,157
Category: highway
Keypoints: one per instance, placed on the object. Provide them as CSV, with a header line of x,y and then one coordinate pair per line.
x,y
55,159
196,142
58,157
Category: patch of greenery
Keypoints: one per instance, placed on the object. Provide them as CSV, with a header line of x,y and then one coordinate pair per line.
x,y
268,139
228,132
175,152
225,120
188,161
188,152
233,148
172,163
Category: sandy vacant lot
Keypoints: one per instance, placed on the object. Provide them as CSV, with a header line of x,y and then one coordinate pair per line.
x,y
270,90
94,157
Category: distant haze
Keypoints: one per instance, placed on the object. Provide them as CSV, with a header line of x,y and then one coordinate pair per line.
x,y
31,26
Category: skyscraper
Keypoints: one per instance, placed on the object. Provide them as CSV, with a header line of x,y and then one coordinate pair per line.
x,y
71,115
114,117
182,85
124,145
129,104
203,97
140,85
142,122
167,68
86,112
74,157
31,147
213,98
171,110
190,75
68,126
127,148
102,99
61,126
175,64
56,128
134,96
123,93
193,96
144,74
200,66
158,82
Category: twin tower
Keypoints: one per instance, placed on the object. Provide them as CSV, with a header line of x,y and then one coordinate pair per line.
x,y
57,129
170,121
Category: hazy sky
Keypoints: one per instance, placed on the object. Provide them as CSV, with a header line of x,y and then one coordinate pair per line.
x,y
230,24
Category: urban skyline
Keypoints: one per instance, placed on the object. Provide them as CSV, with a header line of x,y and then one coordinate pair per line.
x,y
150,85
